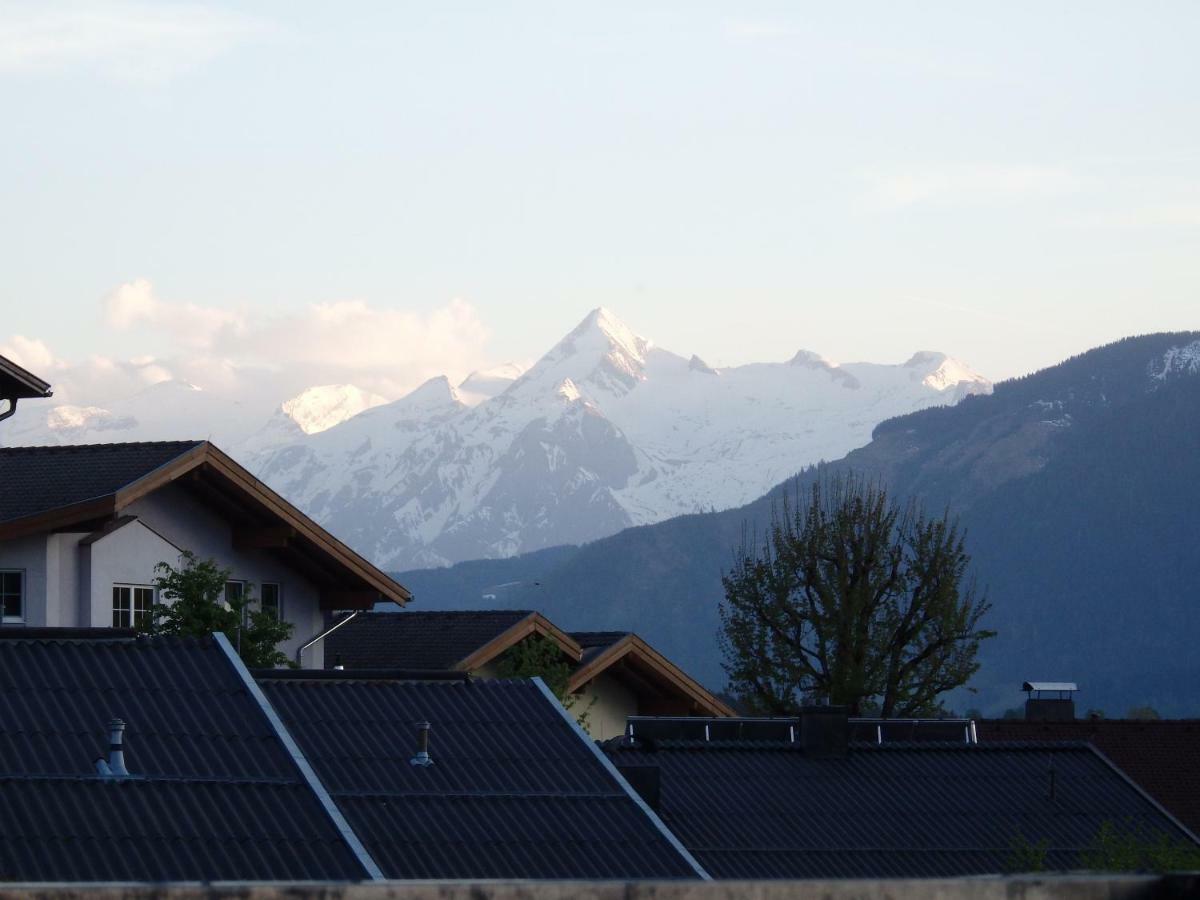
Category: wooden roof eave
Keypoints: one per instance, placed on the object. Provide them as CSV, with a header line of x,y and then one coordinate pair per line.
x,y
208,459
18,383
534,623
633,646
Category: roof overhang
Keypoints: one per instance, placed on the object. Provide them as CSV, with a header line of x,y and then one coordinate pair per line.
x,y
265,520
631,651
534,623
17,383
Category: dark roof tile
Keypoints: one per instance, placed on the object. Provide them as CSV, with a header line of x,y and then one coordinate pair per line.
x,y
40,479
513,792
1161,755
892,811
416,640
215,795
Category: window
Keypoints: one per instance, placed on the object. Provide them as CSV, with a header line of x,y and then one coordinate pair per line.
x,y
12,596
234,592
132,605
270,601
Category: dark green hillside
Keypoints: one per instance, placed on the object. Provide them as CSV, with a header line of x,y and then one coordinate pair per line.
x,y
1080,489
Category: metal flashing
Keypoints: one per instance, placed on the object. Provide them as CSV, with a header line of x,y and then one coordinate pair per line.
x,y
625,786
306,770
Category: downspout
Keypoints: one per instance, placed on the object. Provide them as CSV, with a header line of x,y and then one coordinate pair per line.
x,y
324,634
12,407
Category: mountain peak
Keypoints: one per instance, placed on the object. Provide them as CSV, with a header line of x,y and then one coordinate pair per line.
x,y
601,354
604,321
320,408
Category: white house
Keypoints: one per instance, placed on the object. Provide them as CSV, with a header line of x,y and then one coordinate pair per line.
x,y
82,528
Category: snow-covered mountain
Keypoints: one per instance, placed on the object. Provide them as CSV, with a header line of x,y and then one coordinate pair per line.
x,y
604,431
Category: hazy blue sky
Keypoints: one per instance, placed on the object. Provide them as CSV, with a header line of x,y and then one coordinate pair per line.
x,y
401,188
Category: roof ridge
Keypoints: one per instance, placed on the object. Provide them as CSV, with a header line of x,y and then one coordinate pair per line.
x,y
192,442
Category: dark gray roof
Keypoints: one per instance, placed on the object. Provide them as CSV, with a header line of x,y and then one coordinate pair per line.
x,y
596,642
514,790
39,479
761,810
215,794
416,640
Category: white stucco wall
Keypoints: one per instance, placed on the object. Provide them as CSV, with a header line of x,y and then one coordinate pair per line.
x,y
607,703
28,554
69,584
125,556
190,525
64,596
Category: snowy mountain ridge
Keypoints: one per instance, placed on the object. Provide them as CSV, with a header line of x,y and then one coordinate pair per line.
x,y
604,431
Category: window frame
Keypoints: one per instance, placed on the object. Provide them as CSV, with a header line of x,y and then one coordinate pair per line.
x,y
241,584
21,595
132,613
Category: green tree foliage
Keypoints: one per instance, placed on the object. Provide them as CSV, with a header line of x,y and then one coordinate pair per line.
x,y
1136,849
196,605
1026,856
538,656
851,599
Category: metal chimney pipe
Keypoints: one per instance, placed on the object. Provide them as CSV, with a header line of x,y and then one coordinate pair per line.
x,y
422,757
116,753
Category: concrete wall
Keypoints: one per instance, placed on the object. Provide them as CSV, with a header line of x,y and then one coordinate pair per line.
x,y
1060,887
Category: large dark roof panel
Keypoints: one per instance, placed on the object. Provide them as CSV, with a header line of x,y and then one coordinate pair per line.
x,y
155,830
214,793
513,792
1161,755
416,640
40,479
892,811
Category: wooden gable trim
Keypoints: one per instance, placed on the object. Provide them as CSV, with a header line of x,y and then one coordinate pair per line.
x,y
534,623
663,668
57,519
208,459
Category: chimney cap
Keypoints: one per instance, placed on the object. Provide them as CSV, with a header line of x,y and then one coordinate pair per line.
x,y
1060,686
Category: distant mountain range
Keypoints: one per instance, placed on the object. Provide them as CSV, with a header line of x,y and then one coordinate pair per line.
x,y
603,432
1079,487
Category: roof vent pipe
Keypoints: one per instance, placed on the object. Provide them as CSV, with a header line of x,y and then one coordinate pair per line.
x,y
114,766
422,757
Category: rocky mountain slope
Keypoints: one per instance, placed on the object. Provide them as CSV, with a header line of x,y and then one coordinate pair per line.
x,y
605,431
1079,487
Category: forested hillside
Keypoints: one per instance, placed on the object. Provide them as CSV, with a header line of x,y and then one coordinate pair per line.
x,y
1079,487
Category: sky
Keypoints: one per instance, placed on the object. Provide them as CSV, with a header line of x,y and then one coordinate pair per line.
x,y
380,192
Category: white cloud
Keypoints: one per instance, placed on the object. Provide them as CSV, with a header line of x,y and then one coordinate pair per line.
x,y
134,303
961,185
129,40
29,353
388,351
